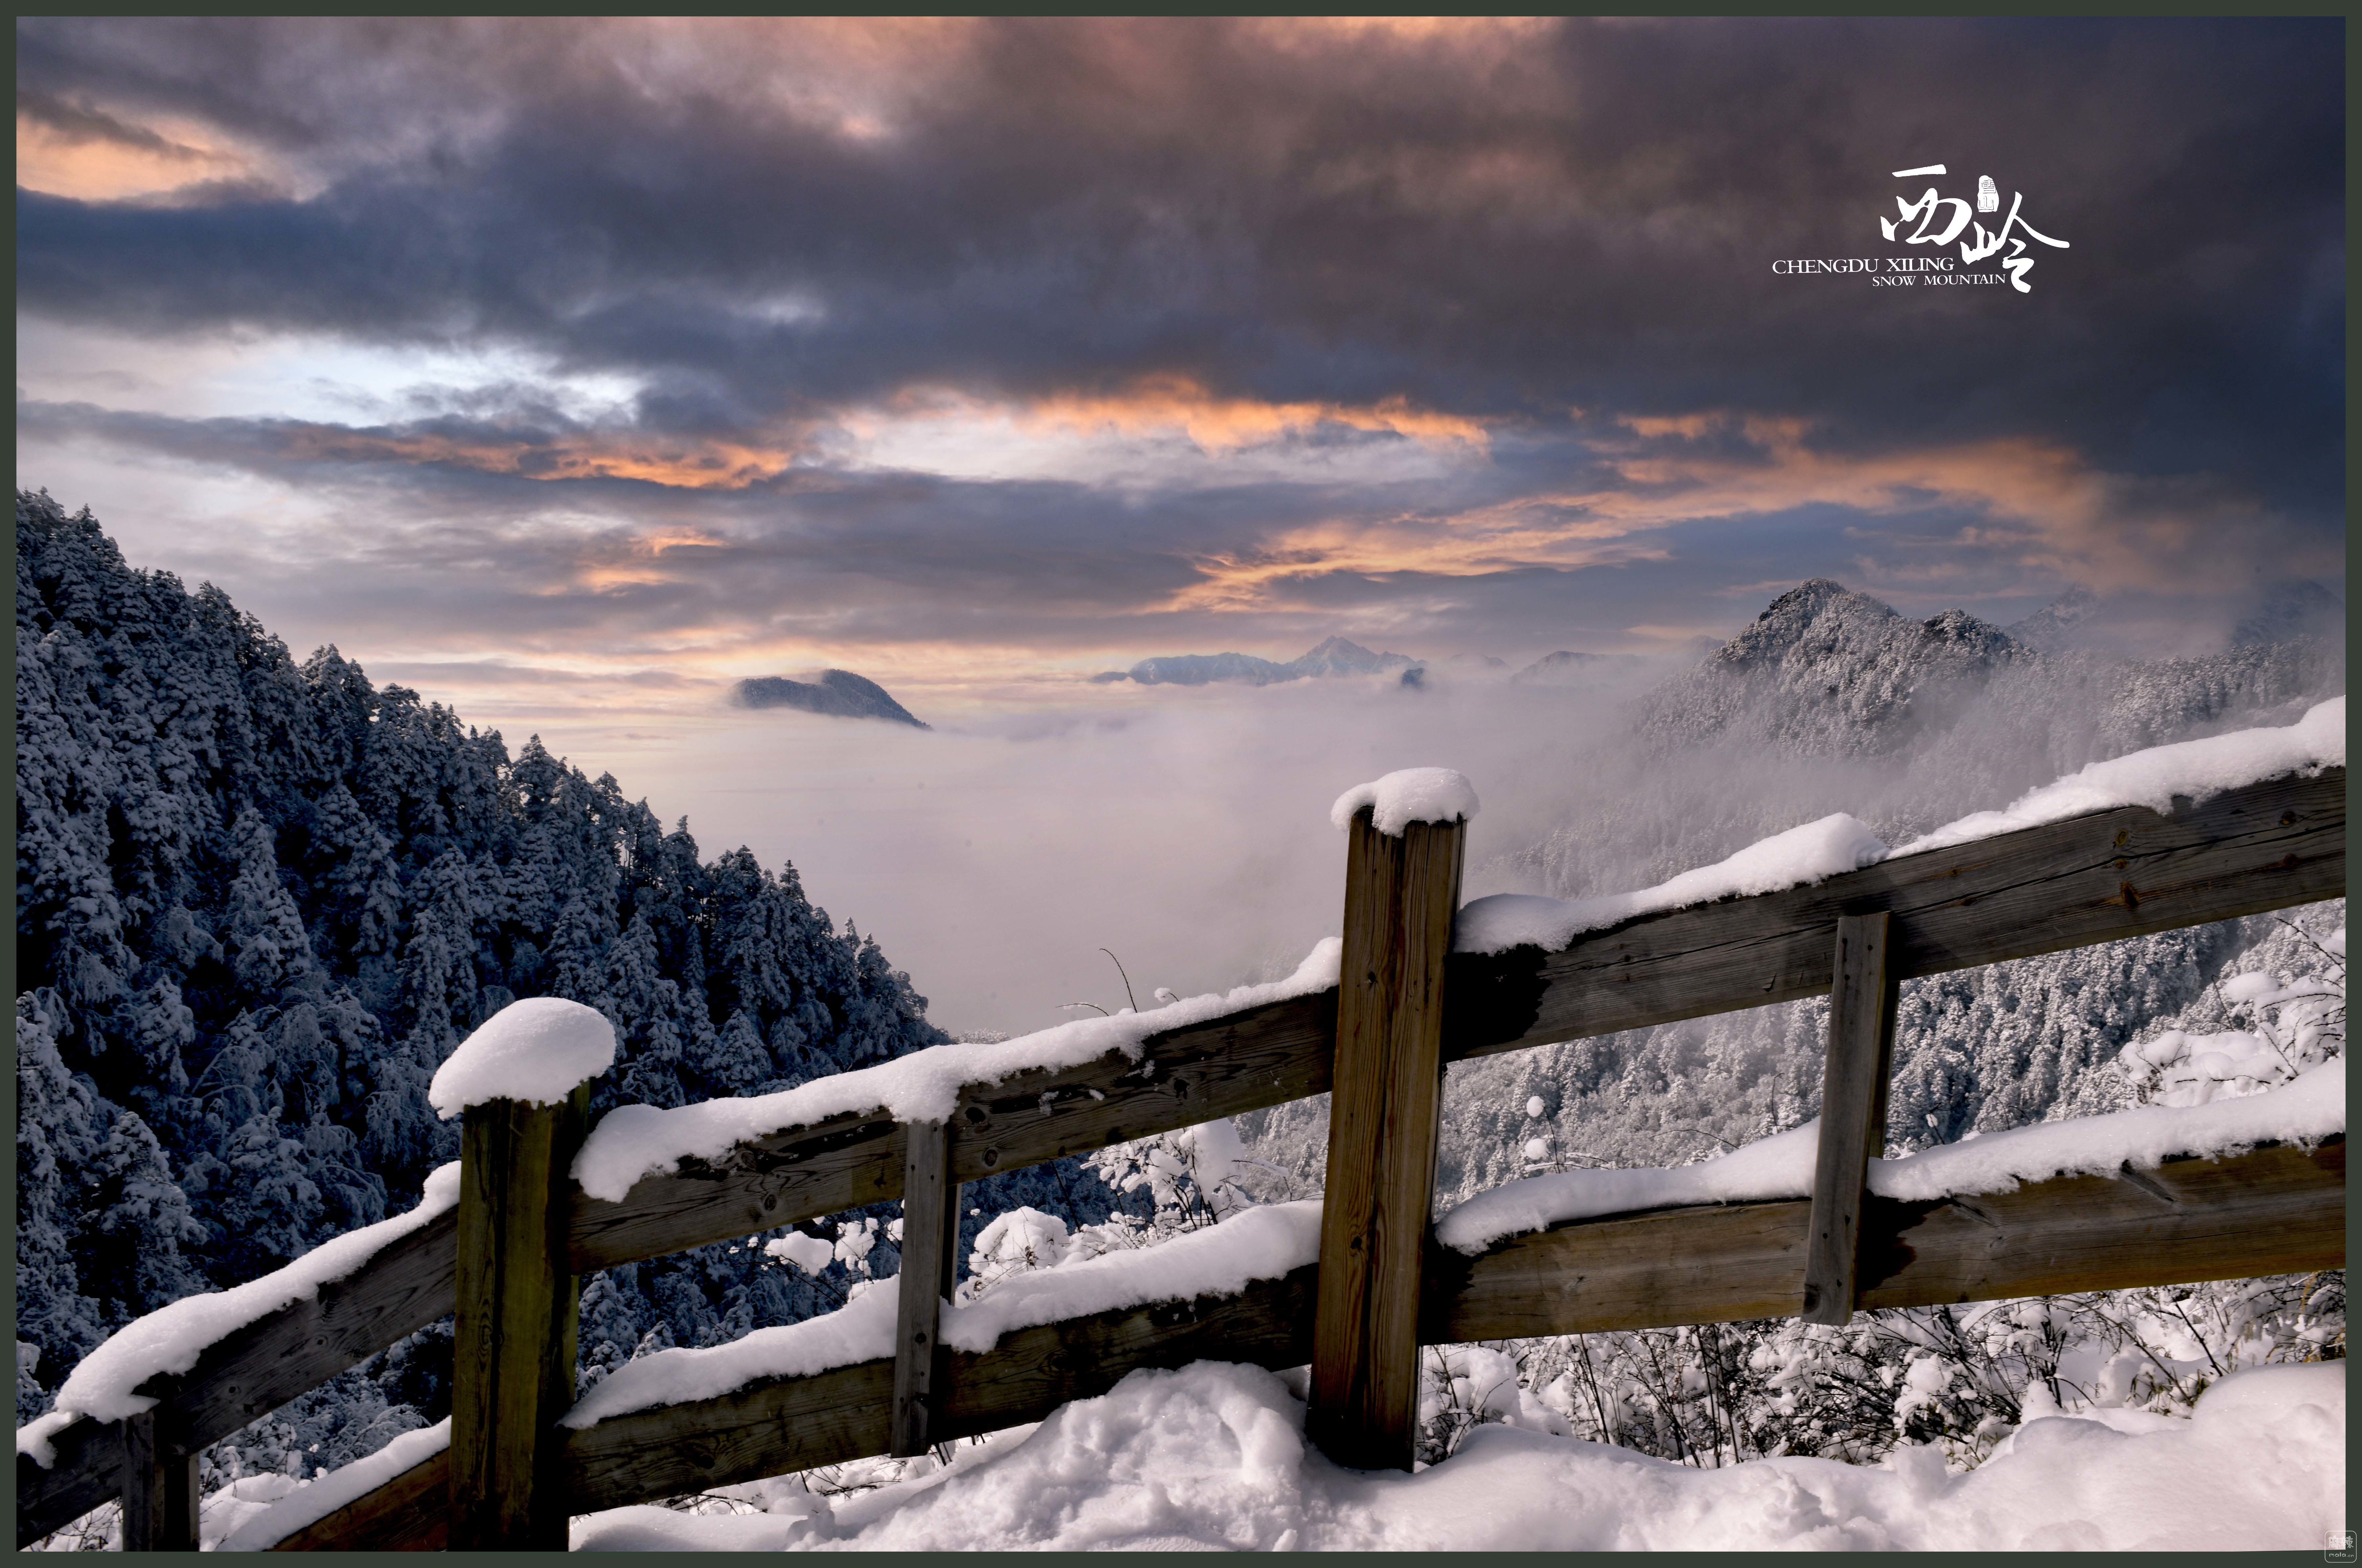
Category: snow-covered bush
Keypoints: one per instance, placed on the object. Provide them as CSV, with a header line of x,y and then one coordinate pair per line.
x,y
1191,1176
2291,1020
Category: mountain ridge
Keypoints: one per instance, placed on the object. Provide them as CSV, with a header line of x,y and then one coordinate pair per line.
x,y
1335,656
838,693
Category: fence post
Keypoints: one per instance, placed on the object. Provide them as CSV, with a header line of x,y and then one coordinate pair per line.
x,y
159,1487
930,1253
1400,896
1853,1110
512,1352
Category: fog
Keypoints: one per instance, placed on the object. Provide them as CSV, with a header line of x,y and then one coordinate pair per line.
x,y
1184,829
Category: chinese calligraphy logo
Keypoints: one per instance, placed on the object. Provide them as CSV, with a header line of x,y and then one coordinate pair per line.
x,y
1959,214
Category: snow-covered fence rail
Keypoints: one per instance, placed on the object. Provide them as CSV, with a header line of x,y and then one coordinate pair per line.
x,y
2098,878
2272,1211
250,1371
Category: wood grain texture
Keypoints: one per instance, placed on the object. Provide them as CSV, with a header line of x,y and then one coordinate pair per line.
x,y
514,1343
88,1472
763,1429
805,1173
407,1286
410,1513
404,1287
793,1424
1860,1059
1401,891
2277,1210
159,1489
930,1231
2092,879
1260,1056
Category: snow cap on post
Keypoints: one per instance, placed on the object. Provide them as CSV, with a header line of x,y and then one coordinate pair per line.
x,y
536,1050
1411,795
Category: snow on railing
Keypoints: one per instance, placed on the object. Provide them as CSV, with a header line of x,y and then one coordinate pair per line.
x,y
2304,1111
636,1141
1264,1243
169,1340
535,1051
315,1500
1269,1242
2194,770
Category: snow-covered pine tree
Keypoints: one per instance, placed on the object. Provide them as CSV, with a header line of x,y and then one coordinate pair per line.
x,y
259,900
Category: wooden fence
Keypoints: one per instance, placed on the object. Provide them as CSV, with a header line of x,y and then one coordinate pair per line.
x,y
1379,1289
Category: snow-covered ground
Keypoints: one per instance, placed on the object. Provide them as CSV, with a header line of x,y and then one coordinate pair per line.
x,y
1213,1457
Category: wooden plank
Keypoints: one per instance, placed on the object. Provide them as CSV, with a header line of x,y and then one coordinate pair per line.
x,y
252,1371
407,1286
1853,1110
513,1343
765,1429
87,1472
159,1486
410,1513
2072,884
789,1424
1262,1056
2098,879
1401,892
840,1164
2275,1210
930,1232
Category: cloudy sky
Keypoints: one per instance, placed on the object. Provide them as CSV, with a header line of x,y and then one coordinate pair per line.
x,y
569,370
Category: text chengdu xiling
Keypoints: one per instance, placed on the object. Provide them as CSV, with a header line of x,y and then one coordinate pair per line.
x,y
1941,220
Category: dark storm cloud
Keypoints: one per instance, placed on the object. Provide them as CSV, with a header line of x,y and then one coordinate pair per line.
x,y
1581,214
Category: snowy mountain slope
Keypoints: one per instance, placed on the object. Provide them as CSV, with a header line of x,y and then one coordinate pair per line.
x,y
1565,668
2053,628
1334,656
1827,671
2290,610
1832,701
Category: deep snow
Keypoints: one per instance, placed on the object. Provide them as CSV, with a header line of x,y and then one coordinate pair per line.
x,y
1213,1457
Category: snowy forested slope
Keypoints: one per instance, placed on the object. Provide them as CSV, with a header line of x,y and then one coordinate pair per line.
x,y
258,901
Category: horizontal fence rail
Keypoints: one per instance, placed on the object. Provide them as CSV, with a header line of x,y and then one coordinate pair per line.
x,y
2275,1210
2090,879
251,1372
